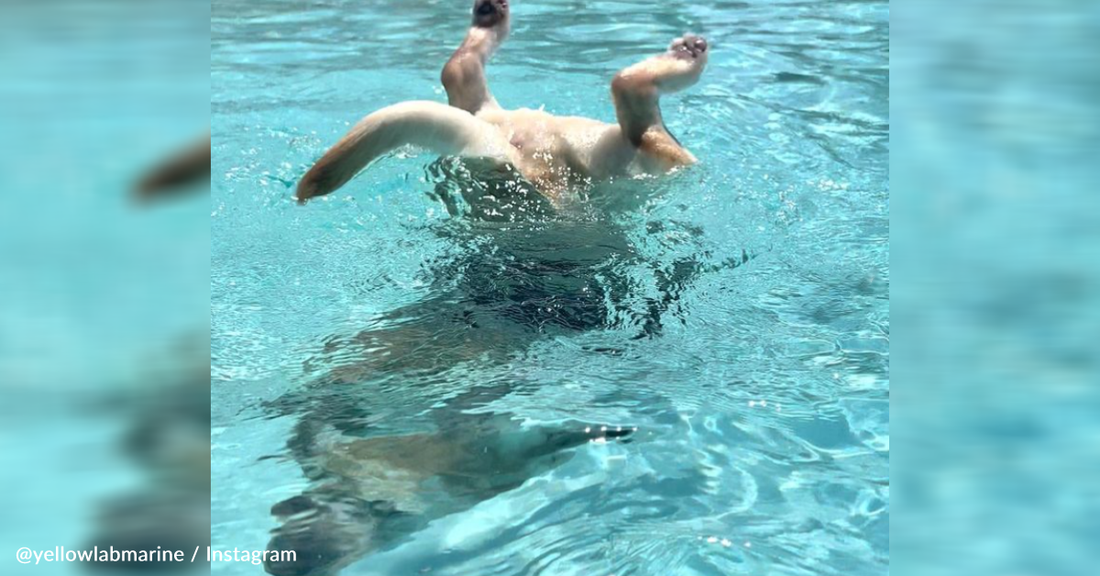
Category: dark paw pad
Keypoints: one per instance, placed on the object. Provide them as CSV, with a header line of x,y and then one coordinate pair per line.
x,y
489,13
688,46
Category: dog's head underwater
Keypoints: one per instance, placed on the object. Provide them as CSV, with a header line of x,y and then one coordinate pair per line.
x,y
374,492
320,537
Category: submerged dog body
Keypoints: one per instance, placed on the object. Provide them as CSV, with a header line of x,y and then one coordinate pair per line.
x,y
551,152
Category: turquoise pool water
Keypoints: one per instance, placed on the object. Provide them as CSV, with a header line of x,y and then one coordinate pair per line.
x,y
737,313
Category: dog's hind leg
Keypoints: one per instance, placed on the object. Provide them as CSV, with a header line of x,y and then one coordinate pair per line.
x,y
431,125
464,74
637,90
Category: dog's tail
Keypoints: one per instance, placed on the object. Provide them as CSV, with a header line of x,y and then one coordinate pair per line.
x,y
431,125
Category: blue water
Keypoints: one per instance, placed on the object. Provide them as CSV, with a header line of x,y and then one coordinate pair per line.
x,y
737,313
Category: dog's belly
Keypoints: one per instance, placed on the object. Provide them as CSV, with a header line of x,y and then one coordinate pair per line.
x,y
544,155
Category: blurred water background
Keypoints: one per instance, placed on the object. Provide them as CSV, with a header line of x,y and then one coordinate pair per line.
x,y
995,136
104,307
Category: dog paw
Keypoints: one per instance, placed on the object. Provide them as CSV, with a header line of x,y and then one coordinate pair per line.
x,y
688,47
490,13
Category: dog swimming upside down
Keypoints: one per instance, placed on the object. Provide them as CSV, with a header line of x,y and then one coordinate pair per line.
x,y
550,152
